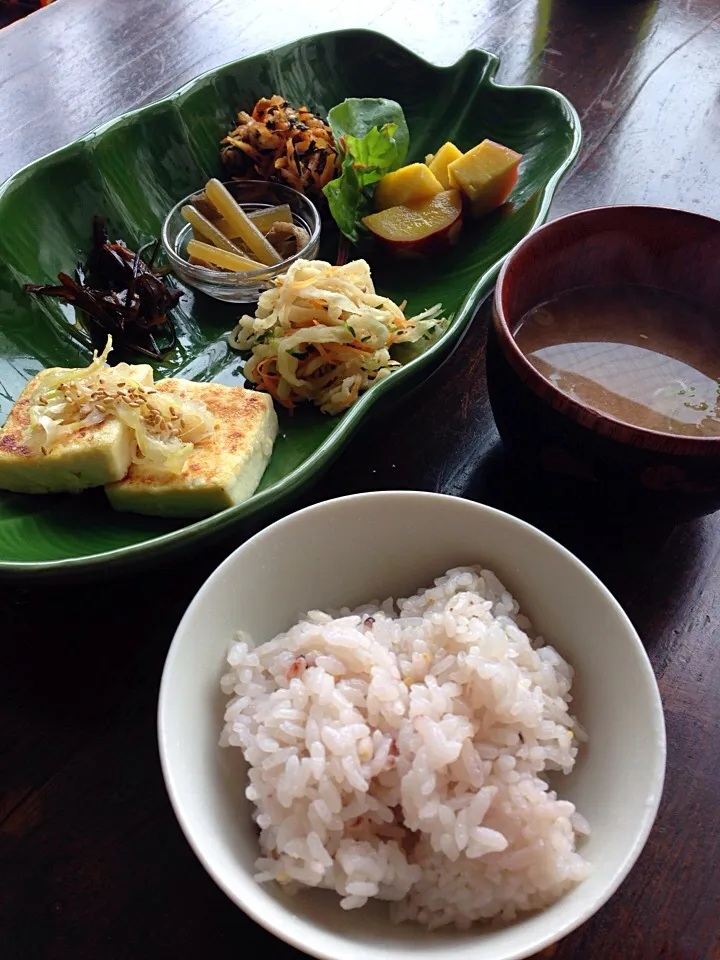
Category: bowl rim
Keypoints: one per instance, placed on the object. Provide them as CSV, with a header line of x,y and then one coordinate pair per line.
x,y
228,278
654,787
589,417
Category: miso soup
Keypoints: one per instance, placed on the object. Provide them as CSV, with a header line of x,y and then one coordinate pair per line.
x,y
641,354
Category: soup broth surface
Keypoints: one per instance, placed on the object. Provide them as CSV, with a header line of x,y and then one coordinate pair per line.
x,y
641,354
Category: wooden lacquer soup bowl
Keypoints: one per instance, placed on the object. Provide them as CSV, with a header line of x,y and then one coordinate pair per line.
x,y
668,249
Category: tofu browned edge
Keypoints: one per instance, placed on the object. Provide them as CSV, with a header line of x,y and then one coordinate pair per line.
x,y
222,471
92,456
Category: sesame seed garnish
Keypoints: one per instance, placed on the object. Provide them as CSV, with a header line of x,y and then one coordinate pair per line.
x,y
161,414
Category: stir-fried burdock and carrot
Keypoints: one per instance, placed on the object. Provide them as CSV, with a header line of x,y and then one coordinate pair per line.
x,y
278,142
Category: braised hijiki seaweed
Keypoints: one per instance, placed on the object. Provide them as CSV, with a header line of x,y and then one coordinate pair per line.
x,y
119,295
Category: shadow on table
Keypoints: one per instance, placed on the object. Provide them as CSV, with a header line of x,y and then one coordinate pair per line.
x,y
620,541
77,653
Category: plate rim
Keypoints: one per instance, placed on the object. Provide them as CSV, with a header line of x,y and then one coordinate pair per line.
x,y
214,526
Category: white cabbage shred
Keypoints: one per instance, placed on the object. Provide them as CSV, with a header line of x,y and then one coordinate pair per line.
x,y
322,334
166,426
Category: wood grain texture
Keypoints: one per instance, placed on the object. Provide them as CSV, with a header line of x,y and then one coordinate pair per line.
x,y
94,866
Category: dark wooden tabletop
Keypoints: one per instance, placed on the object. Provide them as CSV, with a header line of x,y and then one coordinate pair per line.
x,y
93,865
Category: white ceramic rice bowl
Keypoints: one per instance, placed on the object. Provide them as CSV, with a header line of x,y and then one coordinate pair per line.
x,y
371,546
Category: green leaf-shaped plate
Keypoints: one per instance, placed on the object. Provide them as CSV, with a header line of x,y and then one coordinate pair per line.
x,y
136,167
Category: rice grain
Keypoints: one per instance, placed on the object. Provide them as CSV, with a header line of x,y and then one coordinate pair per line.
x,y
401,752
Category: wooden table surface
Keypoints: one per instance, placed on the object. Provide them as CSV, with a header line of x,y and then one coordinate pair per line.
x,y
93,865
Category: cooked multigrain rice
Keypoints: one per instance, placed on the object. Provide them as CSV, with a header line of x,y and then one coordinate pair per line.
x,y
398,752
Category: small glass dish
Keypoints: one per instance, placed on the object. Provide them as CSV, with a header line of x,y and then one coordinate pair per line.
x,y
247,286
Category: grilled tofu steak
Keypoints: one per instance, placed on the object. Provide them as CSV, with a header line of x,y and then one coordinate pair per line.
x,y
92,456
222,471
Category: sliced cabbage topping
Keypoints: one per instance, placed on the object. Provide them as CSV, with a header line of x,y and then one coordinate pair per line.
x,y
166,426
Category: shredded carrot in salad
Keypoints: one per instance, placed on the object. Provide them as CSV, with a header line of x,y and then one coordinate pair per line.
x,y
322,334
